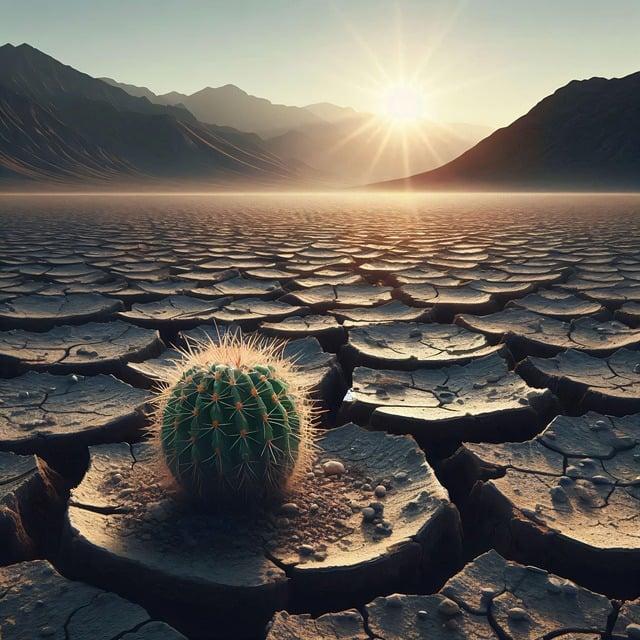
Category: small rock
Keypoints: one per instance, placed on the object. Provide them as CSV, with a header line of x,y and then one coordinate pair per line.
x,y
313,507
384,528
290,509
401,476
305,549
333,468
517,613
558,494
394,601
366,488
368,514
378,507
422,614
380,491
633,631
448,608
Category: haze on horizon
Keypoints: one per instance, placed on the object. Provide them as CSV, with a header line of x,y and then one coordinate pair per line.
x,y
476,62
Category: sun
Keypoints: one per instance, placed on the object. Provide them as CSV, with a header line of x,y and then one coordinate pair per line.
x,y
403,103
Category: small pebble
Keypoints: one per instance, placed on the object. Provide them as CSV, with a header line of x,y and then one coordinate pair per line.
x,y
365,487
394,601
333,468
517,613
290,509
305,549
422,614
368,514
448,608
313,507
380,491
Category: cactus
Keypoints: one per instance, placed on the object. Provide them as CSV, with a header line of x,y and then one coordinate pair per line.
x,y
233,421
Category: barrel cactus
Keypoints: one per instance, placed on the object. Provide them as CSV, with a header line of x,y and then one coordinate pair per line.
x,y
235,420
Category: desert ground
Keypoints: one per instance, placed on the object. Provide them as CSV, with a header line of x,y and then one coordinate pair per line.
x,y
477,362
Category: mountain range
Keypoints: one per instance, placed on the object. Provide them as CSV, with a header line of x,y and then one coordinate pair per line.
x,y
585,136
60,126
344,146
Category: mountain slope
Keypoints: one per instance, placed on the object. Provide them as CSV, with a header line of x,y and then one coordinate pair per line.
x,y
364,148
59,124
233,107
585,135
29,72
230,106
35,144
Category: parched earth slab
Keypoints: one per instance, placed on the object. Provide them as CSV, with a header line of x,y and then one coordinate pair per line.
x,y
394,311
241,288
249,313
345,625
327,297
87,349
558,304
627,625
37,602
41,413
568,499
608,385
629,313
25,489
482,400
490,599
409,346
38,312
174,312
325,328
529,333
445,302
127,525
149,373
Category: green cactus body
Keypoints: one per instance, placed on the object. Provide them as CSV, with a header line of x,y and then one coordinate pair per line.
x,y
228,431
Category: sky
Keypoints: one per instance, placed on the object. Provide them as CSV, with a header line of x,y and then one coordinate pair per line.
x,y
478,61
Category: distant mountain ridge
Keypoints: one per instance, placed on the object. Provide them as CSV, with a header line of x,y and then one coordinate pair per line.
x,y
230,106
586,135
344,146
59,124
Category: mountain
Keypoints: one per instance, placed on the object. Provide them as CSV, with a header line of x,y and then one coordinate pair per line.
x,y
344,146
58,124
330,112
364,148
29,72
231,106
586,135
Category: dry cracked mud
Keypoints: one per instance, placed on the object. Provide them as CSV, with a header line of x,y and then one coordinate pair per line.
x,y
508,315
128,529
569,499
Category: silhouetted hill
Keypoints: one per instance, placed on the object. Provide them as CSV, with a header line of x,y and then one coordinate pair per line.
x,y
29,72
363,148
331,112
231,106
344,146
61,124
586,135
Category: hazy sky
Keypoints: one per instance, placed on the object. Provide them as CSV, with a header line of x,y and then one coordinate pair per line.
x,y
479,61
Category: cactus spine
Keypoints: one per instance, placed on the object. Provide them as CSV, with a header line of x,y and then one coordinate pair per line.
x,y
232,425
